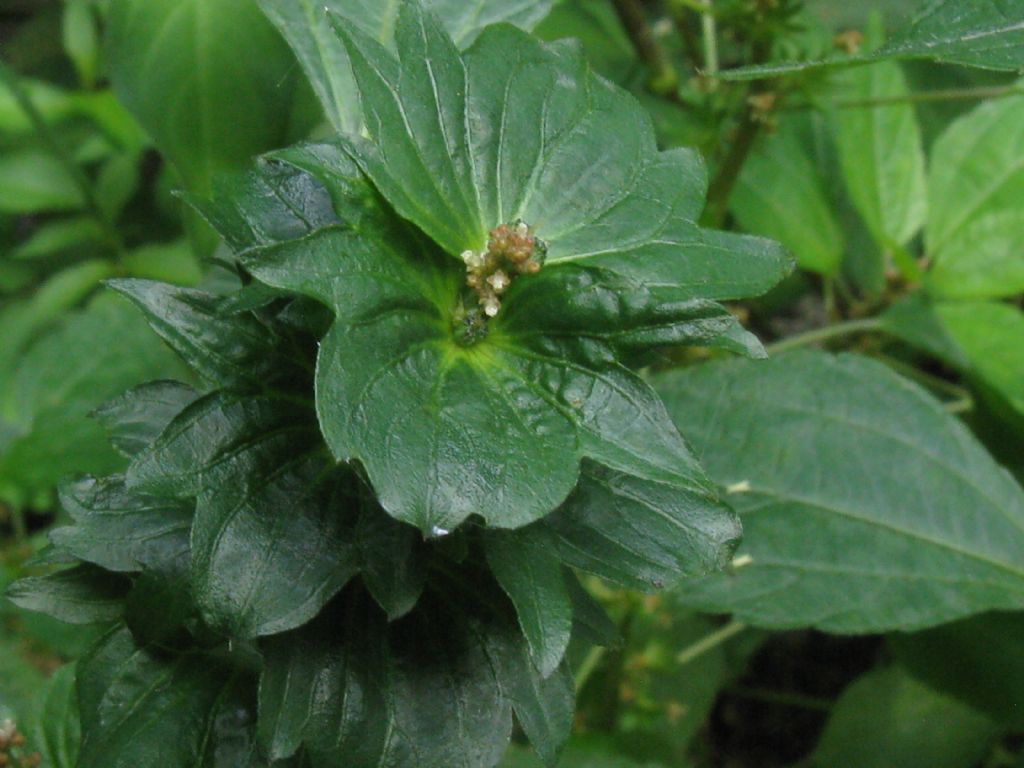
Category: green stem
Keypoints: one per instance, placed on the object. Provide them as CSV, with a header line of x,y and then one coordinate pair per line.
x,y
710,642
664,79
92,204
950,94
19,524
961,399
709,29
827,333
691,46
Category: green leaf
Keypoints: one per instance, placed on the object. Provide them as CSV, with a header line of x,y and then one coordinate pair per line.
x,y
59,236
33,181
52,727
229,350
393,559
641,534
258,571
974,225
838,539
880,150
590,622
80,595
888,720
401,386
82,39
135,419
914,320
527,566
306,26
358,691
172,262
210,80
781,194
985,33
988,672
118,529
141,708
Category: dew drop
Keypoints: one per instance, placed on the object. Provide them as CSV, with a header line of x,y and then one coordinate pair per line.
x,y
437,532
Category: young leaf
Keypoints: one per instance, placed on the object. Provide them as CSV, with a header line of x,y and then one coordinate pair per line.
x,y
526,565
976,185
839,539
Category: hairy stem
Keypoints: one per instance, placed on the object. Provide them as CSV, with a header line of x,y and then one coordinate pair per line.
x,y
952,94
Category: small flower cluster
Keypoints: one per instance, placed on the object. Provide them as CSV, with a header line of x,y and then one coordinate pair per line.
x,y
12,748
511,250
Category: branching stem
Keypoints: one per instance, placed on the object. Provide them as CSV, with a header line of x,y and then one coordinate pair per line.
x,y
829,332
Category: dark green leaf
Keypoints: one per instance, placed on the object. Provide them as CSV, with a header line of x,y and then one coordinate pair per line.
x,y
393,559
639,533
526,565
888,720
855,488
80,595
136,418
359,691
977,660
119,529
229,350
590,622
139,708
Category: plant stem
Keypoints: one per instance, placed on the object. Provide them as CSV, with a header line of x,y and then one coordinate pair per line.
x,y
951,94
589,664
709,30
691,46
664,79
710,642
92,204
962,401
827,333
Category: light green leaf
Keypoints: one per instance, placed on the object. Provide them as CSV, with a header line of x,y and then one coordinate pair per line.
x,y
52,728
59,236
977,182
880,150
306,26
865,505
888,720
82,39
34,181
172,262
988,672
781,194
210,80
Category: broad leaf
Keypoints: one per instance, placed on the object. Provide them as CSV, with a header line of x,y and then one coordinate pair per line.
x,y
80,595
358,691
838,539
393,558
406,382
210,80
977,181
306,26
887,719
781,194
988,672
880,151
141,708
